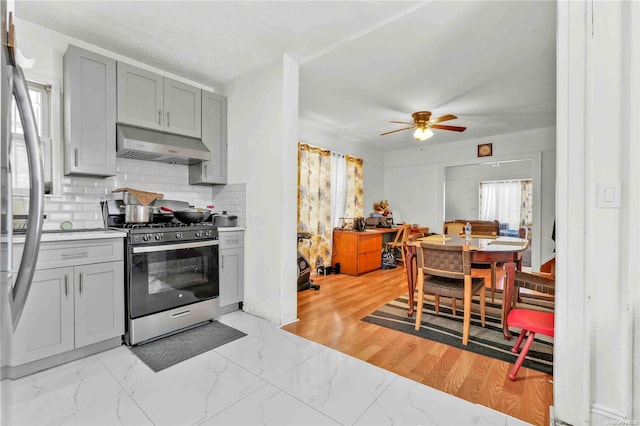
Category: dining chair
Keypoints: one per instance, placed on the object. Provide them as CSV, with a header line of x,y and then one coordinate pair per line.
x,y
531,322
446,271
399,241
453,228
541,283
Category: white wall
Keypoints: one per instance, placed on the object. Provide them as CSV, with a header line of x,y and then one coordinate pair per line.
x,y
262,151
596,361
414,178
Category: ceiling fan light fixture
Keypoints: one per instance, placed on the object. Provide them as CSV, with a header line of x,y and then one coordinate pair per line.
x,y
422,133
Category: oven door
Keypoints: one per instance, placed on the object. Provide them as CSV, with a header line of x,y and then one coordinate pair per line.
x,y
169,276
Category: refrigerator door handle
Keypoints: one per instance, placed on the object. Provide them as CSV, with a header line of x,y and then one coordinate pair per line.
x,y
22,285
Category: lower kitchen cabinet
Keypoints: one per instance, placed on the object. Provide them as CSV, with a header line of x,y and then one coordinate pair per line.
x,y
74,306
231,267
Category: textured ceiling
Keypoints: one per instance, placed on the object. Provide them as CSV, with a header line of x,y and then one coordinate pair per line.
x,y
362,63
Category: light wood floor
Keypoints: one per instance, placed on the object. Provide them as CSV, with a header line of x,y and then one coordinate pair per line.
x,y
331,317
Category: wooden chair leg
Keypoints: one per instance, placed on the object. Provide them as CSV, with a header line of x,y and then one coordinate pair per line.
x,y
523,354
420,299
482,305
467,311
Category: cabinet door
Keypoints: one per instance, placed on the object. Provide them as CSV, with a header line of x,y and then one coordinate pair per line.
x,y
183,108
46,325
89,113
140,97
99,302
231,276
214,136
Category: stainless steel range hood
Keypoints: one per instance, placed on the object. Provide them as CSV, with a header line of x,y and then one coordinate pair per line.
x,y
152,145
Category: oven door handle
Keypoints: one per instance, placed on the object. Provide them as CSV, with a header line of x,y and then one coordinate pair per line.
x,y
168,247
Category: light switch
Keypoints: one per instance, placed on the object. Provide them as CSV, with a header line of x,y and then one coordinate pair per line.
x,y
608,195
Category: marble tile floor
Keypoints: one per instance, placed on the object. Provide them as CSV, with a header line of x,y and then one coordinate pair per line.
x,y
268,377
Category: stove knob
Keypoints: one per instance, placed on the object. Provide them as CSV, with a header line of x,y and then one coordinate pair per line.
x,y
207,233
146,237
198,234
158,237
179,235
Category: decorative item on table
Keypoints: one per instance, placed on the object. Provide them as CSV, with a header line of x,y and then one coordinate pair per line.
x,y
381,211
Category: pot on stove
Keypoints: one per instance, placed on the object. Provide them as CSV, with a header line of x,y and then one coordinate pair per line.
x,y
137,213
224,219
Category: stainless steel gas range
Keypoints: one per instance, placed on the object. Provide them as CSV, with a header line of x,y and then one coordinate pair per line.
x,y
171,275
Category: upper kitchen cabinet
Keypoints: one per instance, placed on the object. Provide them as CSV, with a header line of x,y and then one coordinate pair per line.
x,y
89,113
155,102
214,136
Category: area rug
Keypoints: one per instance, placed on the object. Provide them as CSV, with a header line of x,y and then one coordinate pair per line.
x,y
447,329
171,350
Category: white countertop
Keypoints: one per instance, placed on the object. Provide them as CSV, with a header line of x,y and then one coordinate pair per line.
x,y
81,234
230,228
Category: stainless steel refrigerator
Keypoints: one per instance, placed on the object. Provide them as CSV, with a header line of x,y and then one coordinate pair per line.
x,y
16,282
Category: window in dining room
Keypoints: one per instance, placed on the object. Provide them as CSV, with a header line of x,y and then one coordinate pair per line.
x,y
507,201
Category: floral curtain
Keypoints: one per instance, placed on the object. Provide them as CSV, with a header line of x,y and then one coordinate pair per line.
x,y
526,205
355,188
314,204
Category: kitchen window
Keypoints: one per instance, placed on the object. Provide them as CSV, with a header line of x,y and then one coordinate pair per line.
x,y
42,100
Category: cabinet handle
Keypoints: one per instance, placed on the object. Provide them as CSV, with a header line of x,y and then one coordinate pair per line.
x,y
77,254
75,156
222,262
81,281
168,123
160,116
205,171
233,241
66,285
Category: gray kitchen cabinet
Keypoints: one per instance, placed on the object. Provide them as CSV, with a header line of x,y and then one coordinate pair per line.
x,y
214,136
76,300
89,113
231,267
149,100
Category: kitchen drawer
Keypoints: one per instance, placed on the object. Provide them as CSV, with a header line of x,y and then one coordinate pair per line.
x,y
231,239
72,253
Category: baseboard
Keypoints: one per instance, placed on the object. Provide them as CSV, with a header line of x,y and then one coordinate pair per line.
x,y
553,421
601,414
15,372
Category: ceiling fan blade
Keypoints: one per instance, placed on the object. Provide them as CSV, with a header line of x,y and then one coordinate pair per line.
x,y
443,118
393,131
444,127
402,122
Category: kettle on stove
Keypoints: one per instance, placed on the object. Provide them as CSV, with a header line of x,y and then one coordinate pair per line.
x,y
359,224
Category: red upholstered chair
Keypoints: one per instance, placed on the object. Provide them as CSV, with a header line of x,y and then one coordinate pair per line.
x,y
531,322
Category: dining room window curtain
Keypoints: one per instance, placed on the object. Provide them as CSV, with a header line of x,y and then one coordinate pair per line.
x,y
314,204
526,203
330,187
355,187
501,201
338,188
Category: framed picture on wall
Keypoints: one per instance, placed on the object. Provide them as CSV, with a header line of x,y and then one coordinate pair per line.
x,y
485,150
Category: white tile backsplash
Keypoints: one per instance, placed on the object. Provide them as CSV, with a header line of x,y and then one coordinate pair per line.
x,y
80,200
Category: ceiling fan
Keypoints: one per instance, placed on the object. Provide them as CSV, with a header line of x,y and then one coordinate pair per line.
x,y
423,125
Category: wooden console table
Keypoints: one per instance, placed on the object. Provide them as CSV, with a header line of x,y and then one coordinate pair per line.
x,y
359,252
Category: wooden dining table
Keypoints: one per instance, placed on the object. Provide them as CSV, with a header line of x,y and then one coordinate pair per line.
x,y
501,250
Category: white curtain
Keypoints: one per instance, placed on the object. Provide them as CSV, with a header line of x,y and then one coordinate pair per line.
x,y
500,200
338,188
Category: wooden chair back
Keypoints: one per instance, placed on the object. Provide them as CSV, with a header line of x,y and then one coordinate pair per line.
x,y
402,235
445,261
452,228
